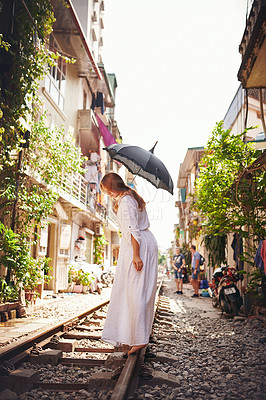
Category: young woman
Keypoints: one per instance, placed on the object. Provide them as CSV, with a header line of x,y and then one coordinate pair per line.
x,y
130,312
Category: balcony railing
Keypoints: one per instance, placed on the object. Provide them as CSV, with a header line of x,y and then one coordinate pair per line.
x,y
76,186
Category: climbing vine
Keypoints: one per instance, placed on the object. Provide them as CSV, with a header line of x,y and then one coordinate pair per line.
x,y
35,161
99,243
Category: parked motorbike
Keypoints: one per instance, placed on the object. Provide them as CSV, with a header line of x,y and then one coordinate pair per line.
x,y
223,290
213,286
230,299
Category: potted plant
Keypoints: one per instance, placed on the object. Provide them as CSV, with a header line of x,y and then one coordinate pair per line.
x,y
86,280
77,288
72,275
36,274
21,270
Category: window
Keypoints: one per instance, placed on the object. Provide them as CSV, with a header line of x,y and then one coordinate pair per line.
x,y
55,81
64,252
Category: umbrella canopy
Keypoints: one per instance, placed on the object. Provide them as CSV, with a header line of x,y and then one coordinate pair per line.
x,y
143,163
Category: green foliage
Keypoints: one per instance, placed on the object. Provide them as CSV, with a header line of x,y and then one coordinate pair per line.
x,y
50,156
230,194
72,274
161,258
215,245
225,157
26,63
185,250
15,257
98,253
79,277
31,171
257,286
194,229
86,278
8,292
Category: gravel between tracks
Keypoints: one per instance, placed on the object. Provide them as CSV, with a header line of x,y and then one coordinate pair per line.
x,y
217,358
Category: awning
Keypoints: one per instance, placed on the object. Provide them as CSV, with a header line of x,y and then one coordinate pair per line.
x,y
106,134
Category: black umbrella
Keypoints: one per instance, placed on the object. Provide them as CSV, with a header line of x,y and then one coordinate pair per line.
x,y
143,163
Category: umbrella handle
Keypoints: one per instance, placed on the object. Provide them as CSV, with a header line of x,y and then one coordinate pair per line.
x,y
135,175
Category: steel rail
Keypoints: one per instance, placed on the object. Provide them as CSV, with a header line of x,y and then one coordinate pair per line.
x,y
19,350
128,380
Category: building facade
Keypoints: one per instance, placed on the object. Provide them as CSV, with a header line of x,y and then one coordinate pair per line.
x,y
81,98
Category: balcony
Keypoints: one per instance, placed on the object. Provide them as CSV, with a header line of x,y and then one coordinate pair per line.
x,y
74,189
253,48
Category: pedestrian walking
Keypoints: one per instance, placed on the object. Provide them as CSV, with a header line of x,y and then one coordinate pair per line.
x,y
130,312
178,264
195,265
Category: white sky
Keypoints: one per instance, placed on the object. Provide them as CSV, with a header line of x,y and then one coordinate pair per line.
x,y
176,63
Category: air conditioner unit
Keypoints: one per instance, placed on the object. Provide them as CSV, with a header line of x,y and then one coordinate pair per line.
x,y
98,230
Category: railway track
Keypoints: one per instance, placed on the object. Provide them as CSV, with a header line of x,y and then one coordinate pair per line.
x,y
74,346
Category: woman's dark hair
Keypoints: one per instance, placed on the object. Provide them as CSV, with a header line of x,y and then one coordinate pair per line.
x,y
114,183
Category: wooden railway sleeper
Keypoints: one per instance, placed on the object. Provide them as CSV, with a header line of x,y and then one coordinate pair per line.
x,y
146,373
6,368
70,324
117,372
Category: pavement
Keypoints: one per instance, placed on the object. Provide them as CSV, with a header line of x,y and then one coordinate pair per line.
x,y
49,311
202,304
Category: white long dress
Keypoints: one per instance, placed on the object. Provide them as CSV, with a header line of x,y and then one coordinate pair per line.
x,y
130,312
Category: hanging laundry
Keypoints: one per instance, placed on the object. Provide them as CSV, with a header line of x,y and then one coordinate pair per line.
x,y
97,101
91,174
237,246
258,260
263,254
106,134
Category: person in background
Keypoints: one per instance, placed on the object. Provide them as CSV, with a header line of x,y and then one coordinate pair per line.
x,y
131,308
178,264
195,270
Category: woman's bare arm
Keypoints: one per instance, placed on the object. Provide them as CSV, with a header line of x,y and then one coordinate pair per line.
x,y
137,261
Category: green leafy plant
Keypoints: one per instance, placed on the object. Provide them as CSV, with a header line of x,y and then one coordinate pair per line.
x,y
86,279
15,258
72,274
257,286
162,260
29,161
216,246
230,191
8,292
99,243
